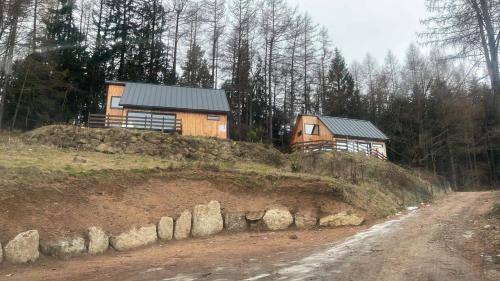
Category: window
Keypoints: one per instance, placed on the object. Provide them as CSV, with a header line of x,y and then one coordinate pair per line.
x,y
311,129
153,121
115,102
213,117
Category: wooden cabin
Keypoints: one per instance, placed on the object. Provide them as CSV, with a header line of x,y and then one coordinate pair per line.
x,y
333,133
187,111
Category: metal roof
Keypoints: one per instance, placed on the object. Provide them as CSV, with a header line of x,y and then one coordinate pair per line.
x,y
142,95
352,128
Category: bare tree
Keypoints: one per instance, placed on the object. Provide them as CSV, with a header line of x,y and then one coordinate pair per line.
x,y
472,27
178,6
216,10
295,44
309,58
326,53
11,15
276,19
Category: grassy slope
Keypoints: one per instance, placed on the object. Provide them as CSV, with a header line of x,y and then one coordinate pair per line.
x,y
374,186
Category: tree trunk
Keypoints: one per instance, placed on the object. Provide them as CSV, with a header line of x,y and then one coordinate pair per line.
x,y
176,41
7,61
19,99
123,49
214,44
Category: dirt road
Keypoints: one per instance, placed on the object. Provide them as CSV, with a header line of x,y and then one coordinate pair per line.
x,y
437,242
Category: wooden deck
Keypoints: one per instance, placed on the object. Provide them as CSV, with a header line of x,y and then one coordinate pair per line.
x,y
335,146
142,123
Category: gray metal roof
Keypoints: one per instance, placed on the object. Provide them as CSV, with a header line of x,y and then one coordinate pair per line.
x,y
352,128
141,95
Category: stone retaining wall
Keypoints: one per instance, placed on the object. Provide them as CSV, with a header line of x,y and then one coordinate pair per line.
x,y
202,221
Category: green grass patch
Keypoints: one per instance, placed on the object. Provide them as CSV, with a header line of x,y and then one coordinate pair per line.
x,y
495,211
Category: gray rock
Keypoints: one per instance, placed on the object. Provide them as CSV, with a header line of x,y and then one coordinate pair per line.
x,y
98,240
65,247
23,248
235,222
207,220
183,225
277,219
306,219
1,253
166,228
255,216
341,219
107,148
134,238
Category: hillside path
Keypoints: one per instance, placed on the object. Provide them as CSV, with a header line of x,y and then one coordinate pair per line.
x,y
436,242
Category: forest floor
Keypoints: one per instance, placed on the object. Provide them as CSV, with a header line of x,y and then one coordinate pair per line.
x,y
447,240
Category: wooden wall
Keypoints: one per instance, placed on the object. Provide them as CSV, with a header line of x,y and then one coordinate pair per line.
x,y
298,134
193,123
114,91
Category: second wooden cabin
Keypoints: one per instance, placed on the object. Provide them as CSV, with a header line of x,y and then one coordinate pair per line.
x,y
342,134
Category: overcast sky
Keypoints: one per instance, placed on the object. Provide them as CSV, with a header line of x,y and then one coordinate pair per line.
x,y
361,26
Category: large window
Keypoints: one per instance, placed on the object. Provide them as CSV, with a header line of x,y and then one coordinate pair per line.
x,y
311,129
154,121
115,103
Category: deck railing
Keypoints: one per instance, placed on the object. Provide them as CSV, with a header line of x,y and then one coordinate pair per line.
x,y
336,146
135,122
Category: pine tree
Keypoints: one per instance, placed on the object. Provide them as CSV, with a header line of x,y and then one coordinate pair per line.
x,y
195,71
341,97
66,53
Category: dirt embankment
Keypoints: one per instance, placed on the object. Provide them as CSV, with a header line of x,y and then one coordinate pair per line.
x,y
117,200
61,180
170,146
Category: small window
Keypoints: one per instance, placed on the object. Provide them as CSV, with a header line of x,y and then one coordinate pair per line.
x,y
311,129
115,102
213,117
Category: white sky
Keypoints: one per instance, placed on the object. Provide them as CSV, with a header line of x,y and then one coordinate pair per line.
x,y
358,27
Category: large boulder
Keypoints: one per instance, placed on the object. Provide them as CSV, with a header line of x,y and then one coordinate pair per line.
x,y
65,247
207,220
98,240
134,238
166,228
235,222
341,219
183,225
277,218
306,218
23,248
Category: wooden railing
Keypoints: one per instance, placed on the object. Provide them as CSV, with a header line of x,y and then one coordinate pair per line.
x,y
335,146
135,122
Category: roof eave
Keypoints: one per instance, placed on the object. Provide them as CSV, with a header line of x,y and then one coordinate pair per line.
x,y
131,106
361,138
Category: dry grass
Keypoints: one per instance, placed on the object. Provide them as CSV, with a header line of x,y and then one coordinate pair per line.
x,y
377,187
